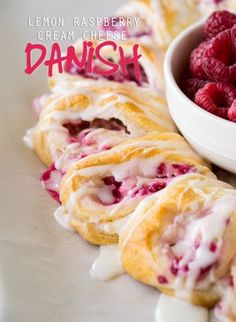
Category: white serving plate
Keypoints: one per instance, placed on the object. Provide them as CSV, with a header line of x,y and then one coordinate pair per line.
x,y
44,268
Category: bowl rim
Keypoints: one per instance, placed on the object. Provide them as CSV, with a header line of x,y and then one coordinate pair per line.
x,y
169,57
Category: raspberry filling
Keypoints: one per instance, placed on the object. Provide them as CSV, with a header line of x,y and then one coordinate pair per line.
x,y
162,279
116,77
85,138
138,187
75,128
51,180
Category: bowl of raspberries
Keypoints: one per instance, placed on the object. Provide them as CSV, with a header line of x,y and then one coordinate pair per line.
x,y
200,75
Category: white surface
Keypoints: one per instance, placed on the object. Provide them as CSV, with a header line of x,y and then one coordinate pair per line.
x,y
107,265
44,269
211,136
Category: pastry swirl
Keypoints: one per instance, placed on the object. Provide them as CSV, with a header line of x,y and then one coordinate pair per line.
x,y
180,241
150,67
105,114
100,191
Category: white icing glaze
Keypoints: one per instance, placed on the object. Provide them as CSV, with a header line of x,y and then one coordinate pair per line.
x,y
225,310
139,167
96,141
101,105
54,127
210,227
39,103
107,265
139,214
170,309
156,111
142,169
114,226
53,182
28,138
63,218
174,145
136,166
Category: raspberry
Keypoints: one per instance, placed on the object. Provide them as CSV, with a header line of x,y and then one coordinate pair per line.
x,y
213,247
156,186
219,62
196,61
180,169
192,85
162,171
232,112
216,98
74,128
50,180
162,279
110,180
217,22
204,271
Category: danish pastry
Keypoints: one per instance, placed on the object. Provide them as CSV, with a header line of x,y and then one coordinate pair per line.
x,y
175,239
100,191
98,117
150,67
40,102
164,19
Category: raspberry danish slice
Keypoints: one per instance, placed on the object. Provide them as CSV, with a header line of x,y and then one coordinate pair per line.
x,y
150,66
180,240
89,141
101,191
91,119
89,107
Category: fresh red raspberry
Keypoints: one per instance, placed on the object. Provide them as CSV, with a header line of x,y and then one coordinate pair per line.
x,y
192,85
217,22
219,61
196,61
216,98
232,112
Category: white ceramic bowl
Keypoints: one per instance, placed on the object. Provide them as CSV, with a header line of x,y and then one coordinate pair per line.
x,y
211,136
